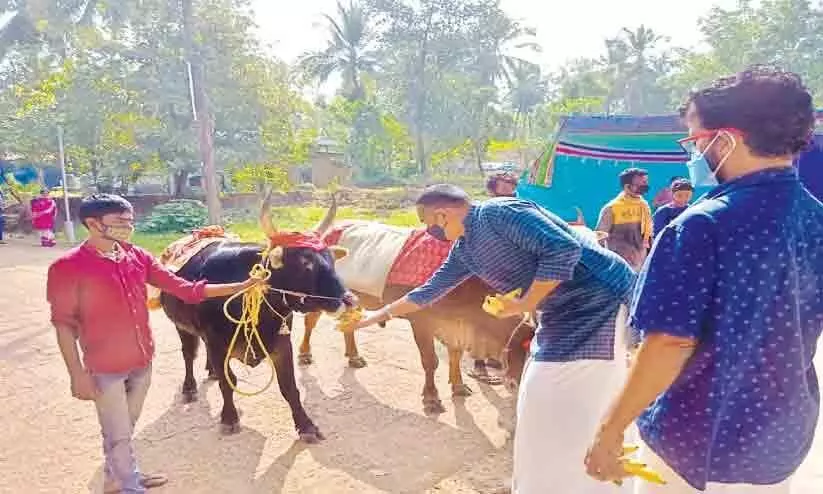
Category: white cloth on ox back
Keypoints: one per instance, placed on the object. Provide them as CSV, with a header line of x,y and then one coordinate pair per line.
x,y
373,247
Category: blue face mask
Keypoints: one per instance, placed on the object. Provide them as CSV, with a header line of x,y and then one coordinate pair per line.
x,y
700,172
437,232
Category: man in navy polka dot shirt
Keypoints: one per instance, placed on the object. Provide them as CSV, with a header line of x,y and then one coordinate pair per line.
x,y
730,304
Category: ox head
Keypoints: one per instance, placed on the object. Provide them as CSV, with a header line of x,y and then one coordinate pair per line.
x,y
303,263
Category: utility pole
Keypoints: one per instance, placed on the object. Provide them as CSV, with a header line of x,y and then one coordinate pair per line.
x,y
68,225
201,113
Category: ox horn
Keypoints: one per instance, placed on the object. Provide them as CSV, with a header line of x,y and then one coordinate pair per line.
x,y
265,215
581,220
327,221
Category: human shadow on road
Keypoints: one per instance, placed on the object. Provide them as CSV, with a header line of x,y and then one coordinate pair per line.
x,y
381,446
185,443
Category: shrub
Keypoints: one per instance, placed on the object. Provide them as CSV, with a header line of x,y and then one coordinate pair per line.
x,y
178,216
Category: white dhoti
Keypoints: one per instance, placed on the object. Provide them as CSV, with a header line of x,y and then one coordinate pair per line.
x,y
676,485
559,408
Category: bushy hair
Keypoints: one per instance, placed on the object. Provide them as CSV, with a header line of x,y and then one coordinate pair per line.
x,y
443,195
772,108
98,205
627,175
492,181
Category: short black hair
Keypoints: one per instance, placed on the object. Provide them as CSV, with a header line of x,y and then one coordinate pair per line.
x,y
681,184
443,195
98,205
627,175
771,106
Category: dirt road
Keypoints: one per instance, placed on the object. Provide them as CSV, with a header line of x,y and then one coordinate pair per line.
x,y
378,438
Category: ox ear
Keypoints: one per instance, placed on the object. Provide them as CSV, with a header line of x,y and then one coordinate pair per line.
x,y
276,258
338,252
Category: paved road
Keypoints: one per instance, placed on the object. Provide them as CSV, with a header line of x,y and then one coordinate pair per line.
x,y
379,440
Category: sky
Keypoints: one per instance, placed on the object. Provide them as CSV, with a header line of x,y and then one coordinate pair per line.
x,y
566,30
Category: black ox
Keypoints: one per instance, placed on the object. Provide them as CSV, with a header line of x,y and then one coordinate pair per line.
x,y
303,270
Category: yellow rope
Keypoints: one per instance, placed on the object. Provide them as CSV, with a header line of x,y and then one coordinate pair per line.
x,y
249,324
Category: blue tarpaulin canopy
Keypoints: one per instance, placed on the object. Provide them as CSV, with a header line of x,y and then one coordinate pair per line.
x,y
581,167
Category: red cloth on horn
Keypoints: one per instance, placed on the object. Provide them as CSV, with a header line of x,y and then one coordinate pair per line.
x,y
297,239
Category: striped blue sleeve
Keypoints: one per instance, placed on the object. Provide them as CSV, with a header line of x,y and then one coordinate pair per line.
x,y
451,274
532,230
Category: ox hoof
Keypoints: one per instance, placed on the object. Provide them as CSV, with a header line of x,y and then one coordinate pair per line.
x,y
230,429
433,407
305,359
213,376
189,395
312,436
357,362
461,390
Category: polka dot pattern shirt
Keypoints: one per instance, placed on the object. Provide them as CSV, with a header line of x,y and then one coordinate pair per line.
x,y
741,272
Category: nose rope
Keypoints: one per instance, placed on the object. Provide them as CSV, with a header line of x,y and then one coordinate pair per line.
x,y
252,301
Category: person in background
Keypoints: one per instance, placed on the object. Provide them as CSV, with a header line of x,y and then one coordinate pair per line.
x,y
628,219
682,191
579,288
97,293
730,305
665,195
43,213
2,218
502,184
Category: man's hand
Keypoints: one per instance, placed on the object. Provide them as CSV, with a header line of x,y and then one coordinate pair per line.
x,y
369,318
604,458
83,386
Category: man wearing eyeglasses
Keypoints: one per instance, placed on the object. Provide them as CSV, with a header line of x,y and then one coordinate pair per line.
x,y
730,305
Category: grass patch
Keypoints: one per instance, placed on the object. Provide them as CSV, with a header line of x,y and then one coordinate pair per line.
x,y
285,218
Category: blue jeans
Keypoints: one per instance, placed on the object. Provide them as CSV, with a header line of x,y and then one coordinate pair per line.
x,y
118,408
2,223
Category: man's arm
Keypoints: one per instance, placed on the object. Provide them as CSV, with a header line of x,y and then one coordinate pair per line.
x,y
450,275
670,315
188,291
557,251
606,220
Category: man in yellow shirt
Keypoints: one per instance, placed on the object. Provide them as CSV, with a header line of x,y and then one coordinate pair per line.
x,y
628,219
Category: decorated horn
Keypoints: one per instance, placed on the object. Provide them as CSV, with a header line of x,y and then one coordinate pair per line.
x,y
327,221
265,215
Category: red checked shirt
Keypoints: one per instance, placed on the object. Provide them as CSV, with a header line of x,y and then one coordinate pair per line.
x,y
103,300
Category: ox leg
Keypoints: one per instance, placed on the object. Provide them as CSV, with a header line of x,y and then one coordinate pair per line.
x,y
211,369
189,344
424,339
304,356
355,360
229,418
284,366
459,388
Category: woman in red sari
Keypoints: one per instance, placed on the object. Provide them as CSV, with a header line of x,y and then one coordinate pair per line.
x,y
43,212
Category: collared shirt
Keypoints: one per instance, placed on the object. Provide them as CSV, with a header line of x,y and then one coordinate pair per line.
x,y
102,299
664,215
628,221
509,243
741,272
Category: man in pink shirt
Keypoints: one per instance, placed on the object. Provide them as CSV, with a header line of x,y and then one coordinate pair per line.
x,y
97,293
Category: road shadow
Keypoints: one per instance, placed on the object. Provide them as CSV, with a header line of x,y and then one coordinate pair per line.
x,y
381,446
185,443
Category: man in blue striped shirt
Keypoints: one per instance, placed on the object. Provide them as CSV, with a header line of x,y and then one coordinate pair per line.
x,y
578,287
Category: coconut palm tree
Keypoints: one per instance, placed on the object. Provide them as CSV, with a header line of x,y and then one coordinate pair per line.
x,y
349,51
634,67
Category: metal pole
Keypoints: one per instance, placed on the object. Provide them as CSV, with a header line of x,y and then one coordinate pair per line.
x,y
68,225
